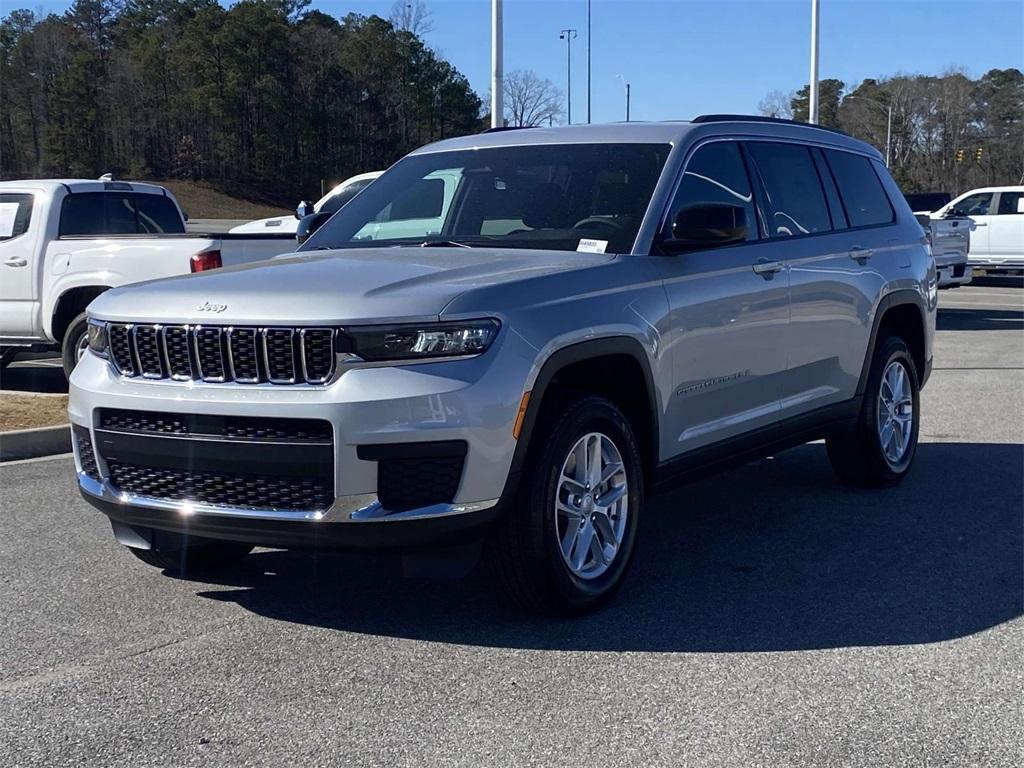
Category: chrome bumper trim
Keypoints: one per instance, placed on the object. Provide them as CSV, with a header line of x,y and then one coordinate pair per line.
x,y
358,508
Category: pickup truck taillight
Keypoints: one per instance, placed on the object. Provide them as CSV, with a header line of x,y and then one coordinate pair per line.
x,y
205,260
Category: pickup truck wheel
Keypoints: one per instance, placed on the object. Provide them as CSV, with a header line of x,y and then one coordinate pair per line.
x,y
880,450
75,344
565,546
174,552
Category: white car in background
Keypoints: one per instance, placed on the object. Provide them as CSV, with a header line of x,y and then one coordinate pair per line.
x,y
329,203
997,234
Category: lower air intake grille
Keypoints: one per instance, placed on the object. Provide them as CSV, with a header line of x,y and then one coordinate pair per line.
x,y
410,483
86,457
253,491
243,428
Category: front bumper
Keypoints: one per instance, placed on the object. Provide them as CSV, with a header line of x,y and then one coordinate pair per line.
x,y
369,409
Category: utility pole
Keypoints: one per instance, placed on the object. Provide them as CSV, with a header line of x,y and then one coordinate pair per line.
x,y
588,64
888,127
497,75
568,35
813,89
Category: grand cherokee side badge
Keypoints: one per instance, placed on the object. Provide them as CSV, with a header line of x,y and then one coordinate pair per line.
x,y
208,307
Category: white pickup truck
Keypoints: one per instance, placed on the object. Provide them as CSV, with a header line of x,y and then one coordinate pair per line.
x,y
64,242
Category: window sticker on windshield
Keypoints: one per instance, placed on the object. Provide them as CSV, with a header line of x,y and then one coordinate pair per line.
x,y
592,246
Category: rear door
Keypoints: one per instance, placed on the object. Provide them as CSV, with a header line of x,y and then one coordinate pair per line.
x,y
20,227
832,244
1006,227
728,321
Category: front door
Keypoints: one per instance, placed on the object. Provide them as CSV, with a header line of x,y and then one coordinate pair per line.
x,y
18,235
728,320
1006,228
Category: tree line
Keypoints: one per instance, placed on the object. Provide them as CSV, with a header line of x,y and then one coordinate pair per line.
x,y
265,95
949,133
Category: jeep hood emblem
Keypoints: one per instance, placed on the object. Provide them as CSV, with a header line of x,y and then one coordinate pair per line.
x,y
208,307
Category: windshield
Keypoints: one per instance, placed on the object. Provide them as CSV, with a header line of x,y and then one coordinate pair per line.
x,y
534,196
336,200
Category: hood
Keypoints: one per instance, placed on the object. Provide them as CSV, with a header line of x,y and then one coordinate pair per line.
x,y
332,287
276,225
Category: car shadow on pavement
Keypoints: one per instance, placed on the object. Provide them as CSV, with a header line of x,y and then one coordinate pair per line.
x,y
34,373
774,556
981,319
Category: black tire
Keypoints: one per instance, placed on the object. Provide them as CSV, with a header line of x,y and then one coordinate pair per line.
x,y
857,456
73,336
181,554
523,549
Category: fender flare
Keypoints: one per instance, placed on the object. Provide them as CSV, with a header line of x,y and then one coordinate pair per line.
x,y
895,299
564,357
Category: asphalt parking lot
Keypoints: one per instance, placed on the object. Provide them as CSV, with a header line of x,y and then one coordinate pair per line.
x,y
772,618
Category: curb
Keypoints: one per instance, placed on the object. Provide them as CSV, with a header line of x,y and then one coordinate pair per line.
x,y
33,443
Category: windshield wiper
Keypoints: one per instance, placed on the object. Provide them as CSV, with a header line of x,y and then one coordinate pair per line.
x,y
443,244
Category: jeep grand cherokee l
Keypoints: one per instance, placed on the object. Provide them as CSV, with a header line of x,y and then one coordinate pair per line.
x,y
594,313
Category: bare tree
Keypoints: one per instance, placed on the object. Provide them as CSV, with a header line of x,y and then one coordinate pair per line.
x,y
531,100
777,104
411,16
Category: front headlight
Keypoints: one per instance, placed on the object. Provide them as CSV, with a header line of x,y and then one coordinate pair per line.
x,y
415,342
97,334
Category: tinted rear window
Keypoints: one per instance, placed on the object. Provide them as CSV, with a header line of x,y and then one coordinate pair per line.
x,y
15,214
795,202
864,198
118,213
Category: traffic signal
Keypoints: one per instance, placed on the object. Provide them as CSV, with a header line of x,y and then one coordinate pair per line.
x,y
977,155
959,155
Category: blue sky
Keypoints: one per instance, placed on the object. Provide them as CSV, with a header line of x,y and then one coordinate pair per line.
x,y
686,57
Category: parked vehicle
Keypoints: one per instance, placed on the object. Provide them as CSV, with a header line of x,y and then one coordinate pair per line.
x,y
605,310
950,239
329,204
997,237
926,202
63,243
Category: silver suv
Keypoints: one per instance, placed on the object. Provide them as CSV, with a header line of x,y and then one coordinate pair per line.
x,y
514,338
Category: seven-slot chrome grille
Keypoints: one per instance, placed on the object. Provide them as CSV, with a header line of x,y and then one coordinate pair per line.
x,y
213,353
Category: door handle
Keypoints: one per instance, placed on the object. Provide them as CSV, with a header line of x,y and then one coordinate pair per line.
x,y
767,269
857,253
16,261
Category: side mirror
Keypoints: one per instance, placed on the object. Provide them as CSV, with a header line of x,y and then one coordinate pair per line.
x,y
706,226
310,224
304,209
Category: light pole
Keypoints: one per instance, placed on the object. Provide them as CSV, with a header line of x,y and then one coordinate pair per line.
x,y
588,63
568,35
812,116
888,125
625,82
497,75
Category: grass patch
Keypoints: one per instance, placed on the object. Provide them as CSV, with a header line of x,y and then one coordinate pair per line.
x,y
31,411
202,201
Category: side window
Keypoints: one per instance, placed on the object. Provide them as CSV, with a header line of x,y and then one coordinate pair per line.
x,y
1009,202
974,205
158,214
835,205
795,203
864,198
715,173
15,214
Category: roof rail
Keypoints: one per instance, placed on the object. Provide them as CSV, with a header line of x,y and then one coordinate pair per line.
x,y
501,128
762,119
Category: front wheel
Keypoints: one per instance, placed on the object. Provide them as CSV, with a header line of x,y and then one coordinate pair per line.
x,y
880,450
75,344
565,546
175,552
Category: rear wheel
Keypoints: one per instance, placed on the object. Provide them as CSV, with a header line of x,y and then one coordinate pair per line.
x,y
880,450
175,552
565,546
75,344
